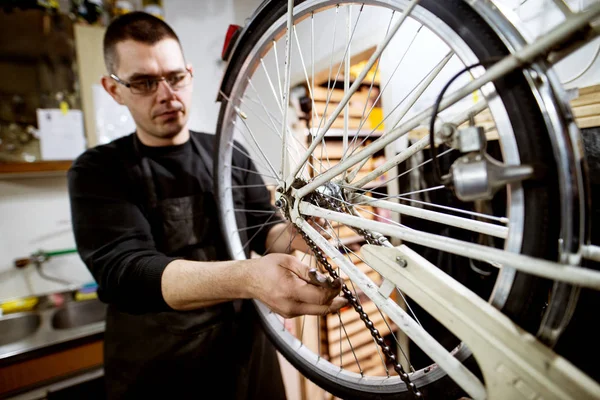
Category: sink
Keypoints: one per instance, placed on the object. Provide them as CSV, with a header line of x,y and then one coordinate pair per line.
x,y
15,327
78,314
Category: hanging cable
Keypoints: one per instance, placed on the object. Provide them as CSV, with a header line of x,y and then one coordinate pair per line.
x,y
437,175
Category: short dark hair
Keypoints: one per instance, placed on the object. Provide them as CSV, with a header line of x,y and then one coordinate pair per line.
x,y
139,26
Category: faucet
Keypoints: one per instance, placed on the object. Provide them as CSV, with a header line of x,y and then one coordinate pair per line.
x,y
39,257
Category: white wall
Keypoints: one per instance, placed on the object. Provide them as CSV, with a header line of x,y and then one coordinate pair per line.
x,y
35,215
201,27
541,16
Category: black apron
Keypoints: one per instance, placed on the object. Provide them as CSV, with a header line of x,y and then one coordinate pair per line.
x,y
215,352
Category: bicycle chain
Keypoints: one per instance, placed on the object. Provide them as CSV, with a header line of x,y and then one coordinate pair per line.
x,y
320,256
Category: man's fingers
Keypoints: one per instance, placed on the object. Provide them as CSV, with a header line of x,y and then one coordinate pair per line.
x,y
337,303
301,270
312,294
316,309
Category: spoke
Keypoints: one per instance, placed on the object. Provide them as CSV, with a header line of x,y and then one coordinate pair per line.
x,y
380,48
340,341
277,65
502,220
422,86
254,211
308,84
347,75
383,141
243,151
363,191
249,170
345,58
276,239
258,147
286,93
253,236
247,186
363,118
329,93
409,193
274,120
251,157
451,220
259,225
337,7
274,128
398,159
271,84
369,212
350,343
387,371
394,336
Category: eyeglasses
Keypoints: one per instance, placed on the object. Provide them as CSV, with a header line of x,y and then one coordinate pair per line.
x,y
176,81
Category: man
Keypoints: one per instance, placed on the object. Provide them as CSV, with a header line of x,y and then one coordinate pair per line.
x,y
179,321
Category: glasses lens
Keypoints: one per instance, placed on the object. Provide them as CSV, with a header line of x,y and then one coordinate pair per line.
x,y
180,80
144,86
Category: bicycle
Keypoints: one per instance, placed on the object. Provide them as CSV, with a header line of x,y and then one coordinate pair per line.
x,y
515,206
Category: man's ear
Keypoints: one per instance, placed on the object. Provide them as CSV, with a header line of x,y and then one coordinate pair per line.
x,y
190,68
111,88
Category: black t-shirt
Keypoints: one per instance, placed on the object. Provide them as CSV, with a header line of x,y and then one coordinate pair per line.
x,y
109,212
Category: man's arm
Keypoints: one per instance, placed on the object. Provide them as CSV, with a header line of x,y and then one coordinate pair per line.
x,y
115,241
278,280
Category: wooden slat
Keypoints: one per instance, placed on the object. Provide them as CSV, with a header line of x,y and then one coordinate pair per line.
x,y
589,89
356,108
586,99
353,123
333,150
588,122
587,111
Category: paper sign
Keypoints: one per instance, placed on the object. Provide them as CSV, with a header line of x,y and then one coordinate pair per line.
x,y
61,134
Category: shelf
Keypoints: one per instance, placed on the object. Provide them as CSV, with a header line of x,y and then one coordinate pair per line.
x,y
35,169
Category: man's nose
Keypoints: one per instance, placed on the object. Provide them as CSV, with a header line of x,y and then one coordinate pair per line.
x,y
165,92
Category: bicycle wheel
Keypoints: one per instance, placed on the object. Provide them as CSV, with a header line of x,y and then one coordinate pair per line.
x,y
250,122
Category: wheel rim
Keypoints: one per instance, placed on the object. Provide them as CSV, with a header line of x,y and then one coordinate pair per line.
x,y
510,156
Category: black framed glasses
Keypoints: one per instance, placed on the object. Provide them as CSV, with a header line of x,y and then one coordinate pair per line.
x,y
145,86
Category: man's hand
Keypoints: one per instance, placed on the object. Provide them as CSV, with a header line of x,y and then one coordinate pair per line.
x,y
283,283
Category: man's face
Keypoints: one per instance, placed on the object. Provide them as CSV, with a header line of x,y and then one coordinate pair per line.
x,y
164,113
